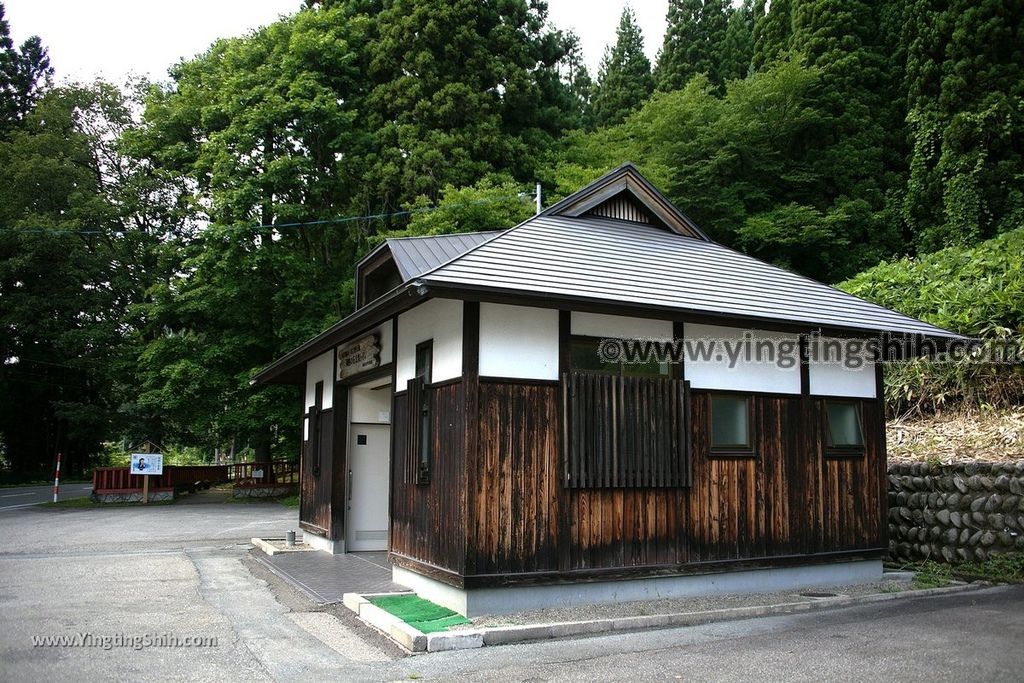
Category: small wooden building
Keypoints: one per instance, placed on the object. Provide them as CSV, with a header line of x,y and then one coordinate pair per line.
x,y
472,418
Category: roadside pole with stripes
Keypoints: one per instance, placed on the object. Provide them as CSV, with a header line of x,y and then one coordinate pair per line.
x,y
56,480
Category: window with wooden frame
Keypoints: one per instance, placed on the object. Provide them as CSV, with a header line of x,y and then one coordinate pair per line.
x,y
730,428
424,370
845,433
585,354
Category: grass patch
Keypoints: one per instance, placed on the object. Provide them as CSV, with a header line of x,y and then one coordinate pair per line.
x,y
419,613
291,501
1001,568
931,574
86,502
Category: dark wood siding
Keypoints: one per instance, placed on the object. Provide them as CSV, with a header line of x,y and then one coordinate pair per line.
x,y
788,499
428,523
317,467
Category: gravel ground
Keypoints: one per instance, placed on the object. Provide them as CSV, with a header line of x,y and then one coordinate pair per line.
x,y
896,582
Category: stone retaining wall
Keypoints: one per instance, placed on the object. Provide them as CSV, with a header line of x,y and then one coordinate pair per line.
x,y
133,496
264,491
955,513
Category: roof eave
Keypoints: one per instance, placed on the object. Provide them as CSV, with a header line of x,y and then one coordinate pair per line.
x,y
598,305
288,369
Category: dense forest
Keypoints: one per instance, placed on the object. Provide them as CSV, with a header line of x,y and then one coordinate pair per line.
x,y
161,241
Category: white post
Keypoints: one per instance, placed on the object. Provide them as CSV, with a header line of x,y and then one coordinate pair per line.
x,y
56,480
539,205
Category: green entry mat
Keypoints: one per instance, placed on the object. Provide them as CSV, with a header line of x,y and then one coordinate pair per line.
x,y
419,613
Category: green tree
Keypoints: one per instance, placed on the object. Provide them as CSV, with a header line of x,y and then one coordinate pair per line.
x,y
694,41
78,224
579,84
842,40
682,49
964,85
624,80
738,43
745,165
304,141
262,128
460,89
772,31
24,73
495,203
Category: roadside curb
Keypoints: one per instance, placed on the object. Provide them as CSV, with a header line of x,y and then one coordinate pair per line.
x,y
415,641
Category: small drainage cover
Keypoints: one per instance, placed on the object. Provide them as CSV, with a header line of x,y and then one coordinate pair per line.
x,y
815,594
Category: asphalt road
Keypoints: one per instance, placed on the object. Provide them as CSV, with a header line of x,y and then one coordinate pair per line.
x,y
23,496
184,570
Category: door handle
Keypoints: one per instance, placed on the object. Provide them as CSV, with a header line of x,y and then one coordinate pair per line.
x,y
348,485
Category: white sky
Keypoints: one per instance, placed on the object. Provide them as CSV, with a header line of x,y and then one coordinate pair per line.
x,y
115,38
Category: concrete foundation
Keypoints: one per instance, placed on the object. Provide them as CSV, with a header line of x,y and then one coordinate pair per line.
x,y
325,544
491,601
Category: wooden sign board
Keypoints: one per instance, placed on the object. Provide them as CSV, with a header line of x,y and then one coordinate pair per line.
x,y
359,356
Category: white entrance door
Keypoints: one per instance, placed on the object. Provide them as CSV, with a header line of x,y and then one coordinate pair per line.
x,y
368,494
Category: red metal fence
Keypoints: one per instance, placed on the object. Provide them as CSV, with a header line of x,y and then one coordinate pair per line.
x,y
250,474
271,473
112,479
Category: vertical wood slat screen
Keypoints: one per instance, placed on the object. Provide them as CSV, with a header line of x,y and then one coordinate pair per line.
x,y
625,431
622,208
412,432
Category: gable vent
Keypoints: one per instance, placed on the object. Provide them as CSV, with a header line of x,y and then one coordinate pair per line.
x,y
621,207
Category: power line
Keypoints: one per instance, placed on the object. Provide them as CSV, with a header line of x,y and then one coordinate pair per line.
x,y
279,226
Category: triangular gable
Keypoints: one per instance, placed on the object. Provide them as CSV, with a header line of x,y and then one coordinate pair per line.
x,y
624,194
624,207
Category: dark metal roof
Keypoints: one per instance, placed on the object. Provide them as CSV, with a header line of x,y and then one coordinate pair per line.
x,y
570,256
417,255
631,263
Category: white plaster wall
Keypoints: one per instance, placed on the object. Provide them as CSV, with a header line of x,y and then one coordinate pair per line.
x,y
622,327
370,405
320,369
743,375
850,372
437,319
384,330
518,341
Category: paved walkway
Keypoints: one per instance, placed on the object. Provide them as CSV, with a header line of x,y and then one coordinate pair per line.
x,y
326,578
215,496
